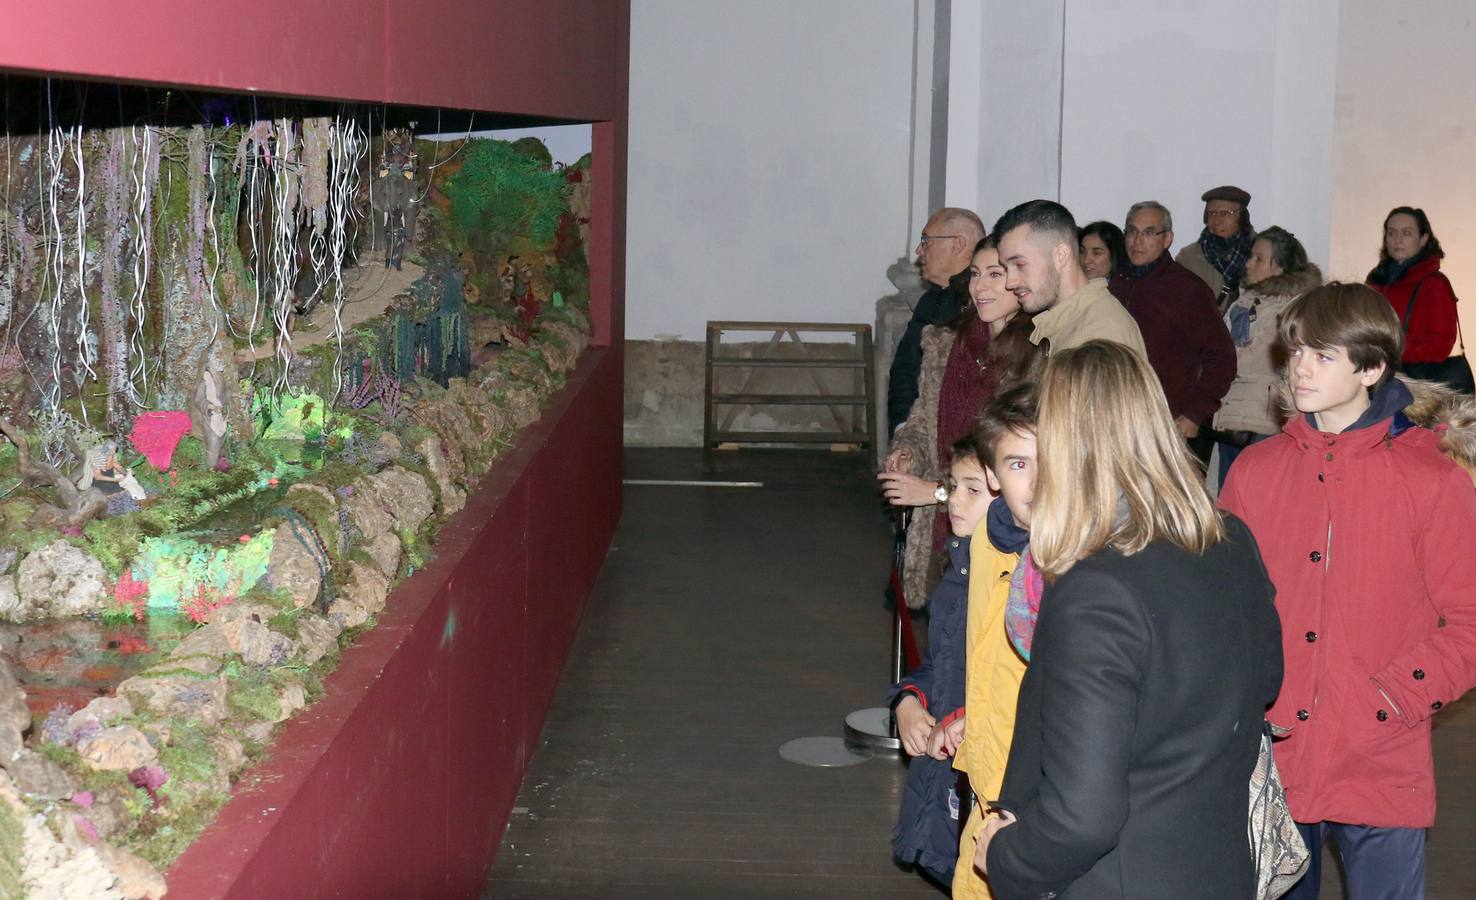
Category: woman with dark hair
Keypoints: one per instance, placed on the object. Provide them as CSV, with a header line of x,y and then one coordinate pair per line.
x,y
965,364
1409,277
1103,249
1276,274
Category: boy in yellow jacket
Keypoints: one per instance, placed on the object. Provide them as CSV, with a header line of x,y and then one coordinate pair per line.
x,y
1005,436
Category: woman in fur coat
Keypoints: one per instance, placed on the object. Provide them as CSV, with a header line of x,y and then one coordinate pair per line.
x,y
1276,274
964,366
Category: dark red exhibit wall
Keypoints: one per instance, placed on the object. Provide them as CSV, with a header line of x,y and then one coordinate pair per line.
x,y
400,781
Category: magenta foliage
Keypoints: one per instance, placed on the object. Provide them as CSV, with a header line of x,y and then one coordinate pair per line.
x,y
150,778
156,434
375,386
85,826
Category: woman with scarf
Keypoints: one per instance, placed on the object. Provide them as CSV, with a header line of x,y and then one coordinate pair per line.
x,y
1224,246
1409,277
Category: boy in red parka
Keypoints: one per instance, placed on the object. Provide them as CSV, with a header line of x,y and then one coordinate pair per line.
x,y
1369,534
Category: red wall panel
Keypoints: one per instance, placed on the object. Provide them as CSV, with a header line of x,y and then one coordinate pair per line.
x,y
399,782
555,58
314,48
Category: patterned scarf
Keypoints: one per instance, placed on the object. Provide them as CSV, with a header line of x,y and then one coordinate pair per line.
x,y
1023,606
1228,255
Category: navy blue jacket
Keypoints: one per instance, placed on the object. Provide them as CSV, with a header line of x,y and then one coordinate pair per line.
x,y
927,834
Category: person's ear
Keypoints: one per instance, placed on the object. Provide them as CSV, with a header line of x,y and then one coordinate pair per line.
x,y
1424,239
1061,256
994,487
1370,376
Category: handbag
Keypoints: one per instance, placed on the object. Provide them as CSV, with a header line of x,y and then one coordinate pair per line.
x,y
1454,372
1278,853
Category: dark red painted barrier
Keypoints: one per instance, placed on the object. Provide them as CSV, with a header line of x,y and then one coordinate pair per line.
x,y
400,781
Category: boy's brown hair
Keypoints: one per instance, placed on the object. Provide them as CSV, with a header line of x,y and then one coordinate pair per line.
x,y
1354,317
1013,412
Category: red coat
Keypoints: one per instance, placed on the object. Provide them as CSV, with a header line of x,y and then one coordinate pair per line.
x,y
1370,539
1433,325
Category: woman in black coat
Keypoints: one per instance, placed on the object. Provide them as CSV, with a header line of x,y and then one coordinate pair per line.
x,y
1156,653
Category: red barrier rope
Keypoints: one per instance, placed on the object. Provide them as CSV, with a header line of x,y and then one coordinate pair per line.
x,y
910,655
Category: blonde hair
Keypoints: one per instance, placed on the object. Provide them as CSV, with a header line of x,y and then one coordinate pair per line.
x,y
1114,471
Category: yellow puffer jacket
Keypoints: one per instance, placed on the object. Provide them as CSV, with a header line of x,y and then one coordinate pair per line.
x,y
991,691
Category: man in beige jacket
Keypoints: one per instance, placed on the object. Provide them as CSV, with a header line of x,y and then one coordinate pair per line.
x,y
1038,248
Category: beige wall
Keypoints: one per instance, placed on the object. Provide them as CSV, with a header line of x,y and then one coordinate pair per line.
x,y
1405,132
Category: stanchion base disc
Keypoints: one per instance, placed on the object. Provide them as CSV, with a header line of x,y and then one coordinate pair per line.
x,y
871,727
826,752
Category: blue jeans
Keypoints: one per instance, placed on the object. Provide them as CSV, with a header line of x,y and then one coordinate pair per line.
x,y
1381,863
1228,452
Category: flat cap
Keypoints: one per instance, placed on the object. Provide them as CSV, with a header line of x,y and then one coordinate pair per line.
x,y
1227,192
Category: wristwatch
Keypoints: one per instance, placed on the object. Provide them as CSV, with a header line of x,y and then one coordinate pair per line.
x,y
941,493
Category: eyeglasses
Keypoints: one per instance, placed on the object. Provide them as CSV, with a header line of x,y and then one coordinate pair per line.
x,y
924,239
1221,213
1150,233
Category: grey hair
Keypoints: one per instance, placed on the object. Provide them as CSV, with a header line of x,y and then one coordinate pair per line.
x,y
964,219
1168,217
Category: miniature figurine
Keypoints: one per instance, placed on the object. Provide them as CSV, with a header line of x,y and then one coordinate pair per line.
x,y
103,471
207,415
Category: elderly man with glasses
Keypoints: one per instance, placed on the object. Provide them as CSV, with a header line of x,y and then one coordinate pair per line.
x,y
1188,344
1224,246
944,251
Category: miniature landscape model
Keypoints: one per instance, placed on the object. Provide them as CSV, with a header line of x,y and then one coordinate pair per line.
x,y
253,355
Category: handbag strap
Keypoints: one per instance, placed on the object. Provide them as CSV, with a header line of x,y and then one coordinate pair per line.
x,y
1409,308
1409,311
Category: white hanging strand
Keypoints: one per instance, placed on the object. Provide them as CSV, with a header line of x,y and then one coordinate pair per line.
x,y
55,255
220,314
138,374
346,149
253,219
87,352
284,248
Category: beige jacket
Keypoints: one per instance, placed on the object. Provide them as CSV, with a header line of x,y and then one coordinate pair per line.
x,y
1253,403
919,434
1192,258
1090,314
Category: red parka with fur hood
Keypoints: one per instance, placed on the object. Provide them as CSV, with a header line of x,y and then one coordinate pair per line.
x,y
1370,539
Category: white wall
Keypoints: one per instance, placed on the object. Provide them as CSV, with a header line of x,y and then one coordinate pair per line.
x,y
1105,103
769,160
565,143
1406,132
1004,104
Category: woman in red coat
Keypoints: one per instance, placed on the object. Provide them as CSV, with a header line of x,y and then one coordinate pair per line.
x,y
1409,269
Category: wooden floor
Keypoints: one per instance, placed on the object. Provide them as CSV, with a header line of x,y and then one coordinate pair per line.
x,y
726,622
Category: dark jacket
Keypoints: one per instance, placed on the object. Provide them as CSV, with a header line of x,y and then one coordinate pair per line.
x,y
937,306
1188,344
1138,726
927,834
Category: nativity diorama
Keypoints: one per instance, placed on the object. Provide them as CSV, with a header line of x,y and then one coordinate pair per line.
x,y
253,354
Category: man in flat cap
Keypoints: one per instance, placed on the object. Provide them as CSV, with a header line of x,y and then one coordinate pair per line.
x,y
1224,246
